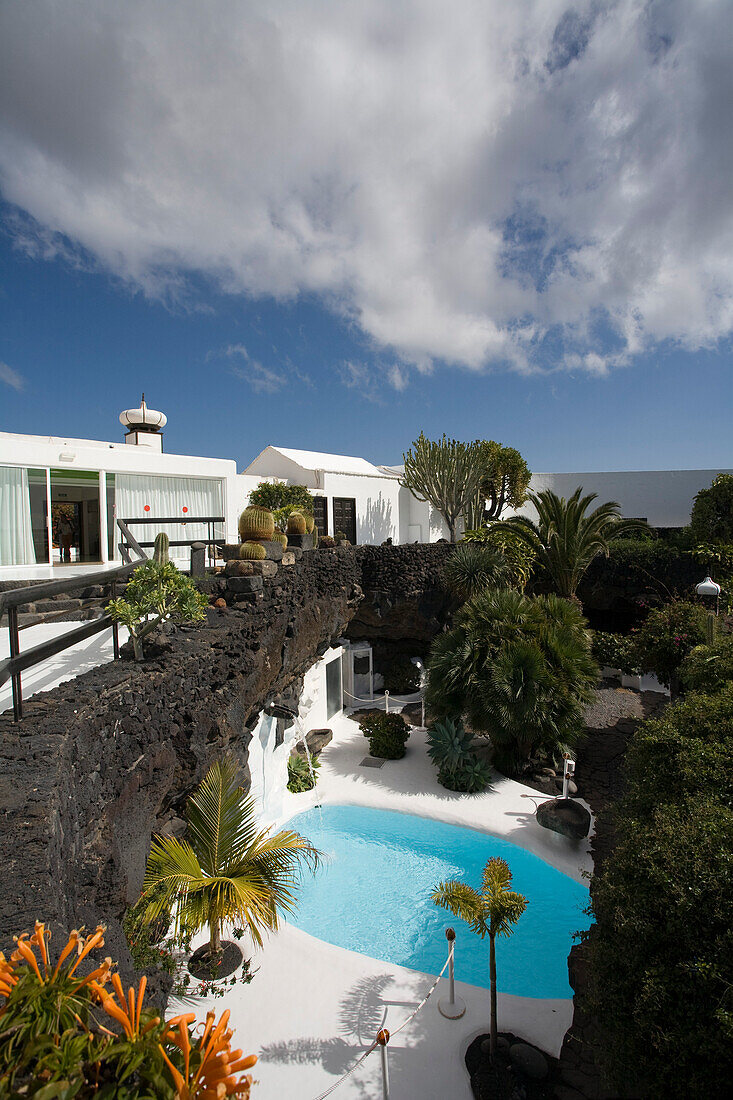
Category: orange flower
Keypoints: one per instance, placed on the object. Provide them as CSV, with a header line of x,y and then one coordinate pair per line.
x,y
25,951
126,1012
8,977
214,1079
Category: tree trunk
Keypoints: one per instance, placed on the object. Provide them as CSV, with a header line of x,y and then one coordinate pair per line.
x,y
137,647
452,529
492,977
215,933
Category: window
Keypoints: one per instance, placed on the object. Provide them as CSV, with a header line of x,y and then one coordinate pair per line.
x,y
334,698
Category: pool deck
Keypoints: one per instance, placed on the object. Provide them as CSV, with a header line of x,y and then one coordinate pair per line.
x,y
313,1008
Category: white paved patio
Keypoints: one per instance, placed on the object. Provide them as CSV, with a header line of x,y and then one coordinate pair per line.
x,y
312,1008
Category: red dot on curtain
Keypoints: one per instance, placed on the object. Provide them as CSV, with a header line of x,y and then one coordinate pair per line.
x,y
147,507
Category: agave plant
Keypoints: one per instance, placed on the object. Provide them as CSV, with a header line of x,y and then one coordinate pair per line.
x,y
491,912
566,537
225,868
449,743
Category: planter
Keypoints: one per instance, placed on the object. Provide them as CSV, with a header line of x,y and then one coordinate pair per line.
x,y
208,969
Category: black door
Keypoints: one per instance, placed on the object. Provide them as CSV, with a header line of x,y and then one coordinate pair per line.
x,y
320,515
344,517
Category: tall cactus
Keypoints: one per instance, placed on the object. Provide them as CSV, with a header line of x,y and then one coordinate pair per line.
x,y
160,550
256,523
296,523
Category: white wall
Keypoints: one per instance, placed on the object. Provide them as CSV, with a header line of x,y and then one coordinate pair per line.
x,y
663,497
377,505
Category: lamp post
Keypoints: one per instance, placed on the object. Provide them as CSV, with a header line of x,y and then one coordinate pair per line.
x,y
421,669
710,588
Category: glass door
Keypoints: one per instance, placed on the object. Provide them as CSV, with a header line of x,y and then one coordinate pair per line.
x,y
75,525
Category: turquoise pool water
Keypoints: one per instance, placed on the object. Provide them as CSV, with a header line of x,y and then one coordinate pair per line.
x,y
373,896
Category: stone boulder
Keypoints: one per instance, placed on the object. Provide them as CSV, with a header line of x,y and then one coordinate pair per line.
x,y
300,542
563,815
229,550
316,741
273,548
529,1060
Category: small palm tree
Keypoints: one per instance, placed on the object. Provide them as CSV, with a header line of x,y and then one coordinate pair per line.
x,y
226,868
567,538
490,913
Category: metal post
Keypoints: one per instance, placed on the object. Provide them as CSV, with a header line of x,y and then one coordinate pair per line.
x,y
568,771
383,1039
115,628
386,702
454,1007
422,708
15,652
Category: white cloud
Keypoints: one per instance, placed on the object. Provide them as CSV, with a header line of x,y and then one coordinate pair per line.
x,y
11,377
468,183
262,379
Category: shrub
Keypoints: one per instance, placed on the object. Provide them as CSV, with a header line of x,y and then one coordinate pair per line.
x,y
473,567
326,540
299,775
278,496
519,668
519,557
661,952
473,776
708,669
712,512
615,651
56,1039
667,636
156,592
252,551
387,734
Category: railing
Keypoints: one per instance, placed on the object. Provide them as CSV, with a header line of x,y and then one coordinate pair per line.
x,y
17,663
129,541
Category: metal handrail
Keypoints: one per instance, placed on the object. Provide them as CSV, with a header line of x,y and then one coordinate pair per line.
x,y
15,597
211,541
12,666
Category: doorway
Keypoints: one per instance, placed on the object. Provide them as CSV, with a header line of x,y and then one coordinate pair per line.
x,y
75,526
344,517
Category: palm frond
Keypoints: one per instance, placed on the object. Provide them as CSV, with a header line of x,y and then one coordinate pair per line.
x,y
462,901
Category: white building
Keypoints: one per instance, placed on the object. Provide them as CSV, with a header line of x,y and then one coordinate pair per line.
x,y
61,499
364,502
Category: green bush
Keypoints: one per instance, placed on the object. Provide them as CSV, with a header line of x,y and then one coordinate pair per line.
x,y
708,669
712,512
387,734
518,556
666,637
473,776
661,951
299,775
615,651
156,592
275,497
519,669
449,745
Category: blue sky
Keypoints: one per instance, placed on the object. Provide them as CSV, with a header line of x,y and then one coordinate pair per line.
x,y
278,245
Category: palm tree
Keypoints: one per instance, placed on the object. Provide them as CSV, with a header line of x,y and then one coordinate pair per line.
x,y
519,668
489,913
474,566
567,538
226,868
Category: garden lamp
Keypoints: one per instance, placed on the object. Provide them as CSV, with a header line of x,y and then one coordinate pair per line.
x,y
709,587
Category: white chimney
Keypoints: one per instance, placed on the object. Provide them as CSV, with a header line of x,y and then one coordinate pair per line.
x,y
144,426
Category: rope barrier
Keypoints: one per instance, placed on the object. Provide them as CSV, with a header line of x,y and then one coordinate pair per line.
x,y
398,700
377,1042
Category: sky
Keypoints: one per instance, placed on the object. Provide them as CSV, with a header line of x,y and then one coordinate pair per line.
x,y
333,226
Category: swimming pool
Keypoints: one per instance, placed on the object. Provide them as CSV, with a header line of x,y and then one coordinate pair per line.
x,y
373,896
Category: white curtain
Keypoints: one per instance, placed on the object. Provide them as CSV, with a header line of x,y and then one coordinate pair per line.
x,y
16,529
165,497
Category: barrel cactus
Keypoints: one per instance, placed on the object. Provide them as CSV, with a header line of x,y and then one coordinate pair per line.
x,y
310,524
256,523
252,551
160,550
296,523
281,537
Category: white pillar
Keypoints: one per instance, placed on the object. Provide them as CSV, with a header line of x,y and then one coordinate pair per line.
x,y
103,533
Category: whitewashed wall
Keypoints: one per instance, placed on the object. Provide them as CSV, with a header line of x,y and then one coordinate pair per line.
x,y
663,497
